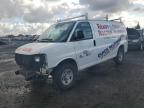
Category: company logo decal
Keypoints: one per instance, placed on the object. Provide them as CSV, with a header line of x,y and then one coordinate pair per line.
x,y
85,54
104,30
106,51
109,29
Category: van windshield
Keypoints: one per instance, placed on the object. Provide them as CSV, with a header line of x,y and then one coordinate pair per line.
x,y
57,33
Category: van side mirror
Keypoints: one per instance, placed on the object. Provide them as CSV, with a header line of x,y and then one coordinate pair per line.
x,y
79,35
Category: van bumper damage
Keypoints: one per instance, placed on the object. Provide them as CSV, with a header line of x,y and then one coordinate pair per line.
x,y
30,74
31,66
26,73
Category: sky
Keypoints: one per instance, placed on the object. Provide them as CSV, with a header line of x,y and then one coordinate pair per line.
x,y
34,16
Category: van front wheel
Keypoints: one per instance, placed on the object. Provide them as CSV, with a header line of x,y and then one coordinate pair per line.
x,y
120,56
64,76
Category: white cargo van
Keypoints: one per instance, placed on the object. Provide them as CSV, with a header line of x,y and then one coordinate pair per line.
x,y
68,47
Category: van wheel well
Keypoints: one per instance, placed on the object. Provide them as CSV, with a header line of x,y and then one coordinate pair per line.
x,y
120,55
71,61
122,46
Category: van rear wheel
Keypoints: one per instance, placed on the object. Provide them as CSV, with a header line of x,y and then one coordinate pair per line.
x,y
64,76
120,56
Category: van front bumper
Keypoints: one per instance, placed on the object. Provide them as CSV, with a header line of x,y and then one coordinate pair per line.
x,y
30,74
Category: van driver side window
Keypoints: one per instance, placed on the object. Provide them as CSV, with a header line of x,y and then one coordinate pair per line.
x,y
82,32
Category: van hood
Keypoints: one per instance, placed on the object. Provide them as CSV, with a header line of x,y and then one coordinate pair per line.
x,y
33,48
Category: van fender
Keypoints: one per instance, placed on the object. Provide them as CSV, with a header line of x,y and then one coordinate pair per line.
x,y
72,60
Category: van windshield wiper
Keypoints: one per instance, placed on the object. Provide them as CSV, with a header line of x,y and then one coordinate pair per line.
x,y
45,40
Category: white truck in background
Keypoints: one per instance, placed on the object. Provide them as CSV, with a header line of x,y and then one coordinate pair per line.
x,y
68,47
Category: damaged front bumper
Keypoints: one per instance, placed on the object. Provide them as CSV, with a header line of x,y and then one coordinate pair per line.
x,y
26,73
30,74
32,65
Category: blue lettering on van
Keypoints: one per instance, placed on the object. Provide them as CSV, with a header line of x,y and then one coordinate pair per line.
x,y
107,50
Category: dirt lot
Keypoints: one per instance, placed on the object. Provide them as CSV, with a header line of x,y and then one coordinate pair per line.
x,y
109,86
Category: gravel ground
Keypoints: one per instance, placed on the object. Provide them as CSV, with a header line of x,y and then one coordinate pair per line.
x,y
103,86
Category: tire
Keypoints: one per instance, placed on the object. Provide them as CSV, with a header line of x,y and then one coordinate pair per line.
x,y
120,56
64,76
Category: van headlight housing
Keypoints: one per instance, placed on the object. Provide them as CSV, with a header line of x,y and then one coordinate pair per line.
x,y
37,59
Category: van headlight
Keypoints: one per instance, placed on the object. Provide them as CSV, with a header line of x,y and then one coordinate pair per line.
x,y
37,59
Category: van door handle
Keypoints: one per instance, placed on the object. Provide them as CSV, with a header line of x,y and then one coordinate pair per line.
x,y
94,42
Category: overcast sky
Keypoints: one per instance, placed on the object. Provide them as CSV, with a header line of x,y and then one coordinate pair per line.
x,y
34,16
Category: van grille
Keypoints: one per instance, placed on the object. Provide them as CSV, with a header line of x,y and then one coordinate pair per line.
x,y
28,61
24,60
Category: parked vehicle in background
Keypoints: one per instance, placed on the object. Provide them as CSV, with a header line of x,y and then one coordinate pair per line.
x,y
141,32
68,47
135,38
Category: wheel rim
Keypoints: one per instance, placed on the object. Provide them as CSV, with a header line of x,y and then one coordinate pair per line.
x,y
120,56
67,77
